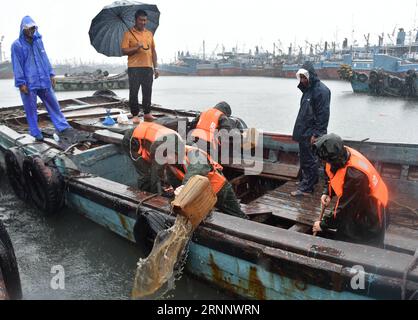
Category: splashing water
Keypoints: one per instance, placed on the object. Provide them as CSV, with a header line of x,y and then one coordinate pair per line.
x,y
156,273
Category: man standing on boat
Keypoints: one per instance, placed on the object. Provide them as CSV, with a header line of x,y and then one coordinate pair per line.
x,y
35,78
138,44
311,123
359,215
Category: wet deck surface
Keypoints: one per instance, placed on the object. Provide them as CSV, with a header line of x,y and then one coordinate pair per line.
x,y
401,234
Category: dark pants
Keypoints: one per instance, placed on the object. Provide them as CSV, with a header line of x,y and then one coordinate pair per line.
x,y
309,166
140,78
228,202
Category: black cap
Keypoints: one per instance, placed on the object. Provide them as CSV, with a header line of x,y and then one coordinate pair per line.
x,y
224,107
330,148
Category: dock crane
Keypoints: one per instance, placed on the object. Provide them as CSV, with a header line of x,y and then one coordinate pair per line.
x,y
381,38
367,38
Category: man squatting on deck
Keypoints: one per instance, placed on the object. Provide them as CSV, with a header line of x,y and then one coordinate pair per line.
x,y
311,123
360,214
138,44
142,145
35,78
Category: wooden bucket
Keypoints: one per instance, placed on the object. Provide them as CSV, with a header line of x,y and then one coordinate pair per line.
x,y
195,201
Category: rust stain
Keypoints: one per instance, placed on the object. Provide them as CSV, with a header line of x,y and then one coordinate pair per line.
x,y
3,291
125,226
255,286
300,284
218,277
337,282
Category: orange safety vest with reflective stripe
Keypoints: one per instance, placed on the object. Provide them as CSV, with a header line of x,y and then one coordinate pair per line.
x,y
217,180
149,131
207,124
378,189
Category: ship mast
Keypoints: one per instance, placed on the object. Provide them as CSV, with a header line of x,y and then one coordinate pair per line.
x,y
1,49
413,28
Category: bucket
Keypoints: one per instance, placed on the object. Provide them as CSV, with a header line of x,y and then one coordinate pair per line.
x,y
195,201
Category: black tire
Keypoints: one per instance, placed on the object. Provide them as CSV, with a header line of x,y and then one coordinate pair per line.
x,y
8,266
395,83
66,86
110,84
14,162
121,84
241,125
105,92
362,77
45,185
146,229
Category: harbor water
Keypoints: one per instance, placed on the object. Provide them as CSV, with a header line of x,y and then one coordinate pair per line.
x,y
101,265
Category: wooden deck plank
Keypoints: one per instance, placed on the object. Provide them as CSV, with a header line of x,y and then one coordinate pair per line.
x,y
272,169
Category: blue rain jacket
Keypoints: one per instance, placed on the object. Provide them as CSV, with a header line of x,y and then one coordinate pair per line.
x,y
31,65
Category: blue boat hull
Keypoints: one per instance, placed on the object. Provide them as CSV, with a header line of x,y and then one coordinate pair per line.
x,y
233,274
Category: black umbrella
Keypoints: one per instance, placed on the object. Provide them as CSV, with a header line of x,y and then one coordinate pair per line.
x,y
109,26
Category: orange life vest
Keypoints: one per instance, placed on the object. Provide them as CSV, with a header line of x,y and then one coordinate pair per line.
x,y
216,179
149,131
207,124
378,189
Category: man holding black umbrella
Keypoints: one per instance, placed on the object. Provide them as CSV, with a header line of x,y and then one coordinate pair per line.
x,y
138,44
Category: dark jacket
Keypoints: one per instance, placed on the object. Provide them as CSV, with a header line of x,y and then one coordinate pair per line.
x,y
356,219
314,110
150,175
227,200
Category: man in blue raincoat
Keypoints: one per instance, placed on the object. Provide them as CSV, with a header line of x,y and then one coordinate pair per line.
x,y
34,77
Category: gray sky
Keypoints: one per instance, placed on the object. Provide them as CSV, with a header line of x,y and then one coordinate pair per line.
x,y
184,24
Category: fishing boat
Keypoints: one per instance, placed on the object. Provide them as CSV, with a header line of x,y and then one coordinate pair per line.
x,y
92,81
387,76
273,255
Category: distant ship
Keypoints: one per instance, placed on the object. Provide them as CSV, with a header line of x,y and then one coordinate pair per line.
x,y
92,81
230,64
388,76
6,70
327,60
